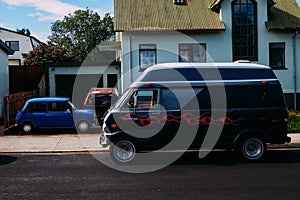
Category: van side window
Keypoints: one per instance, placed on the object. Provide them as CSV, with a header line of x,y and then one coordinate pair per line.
x,y
143,99
169,100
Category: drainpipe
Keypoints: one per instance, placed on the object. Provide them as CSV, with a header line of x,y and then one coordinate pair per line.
x,y
295,70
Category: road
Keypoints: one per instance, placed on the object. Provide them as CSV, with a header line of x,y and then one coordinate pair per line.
x,y
82,176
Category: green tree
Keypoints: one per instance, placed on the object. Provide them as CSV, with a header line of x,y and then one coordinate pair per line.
x,y
47,53
81,31
24,31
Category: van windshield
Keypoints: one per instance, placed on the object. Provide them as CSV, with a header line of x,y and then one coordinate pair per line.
x,y
122,98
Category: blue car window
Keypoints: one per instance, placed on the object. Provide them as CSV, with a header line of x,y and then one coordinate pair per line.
x,y
37,107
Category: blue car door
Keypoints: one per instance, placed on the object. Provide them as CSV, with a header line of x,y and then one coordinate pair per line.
x,y
36,113
60,115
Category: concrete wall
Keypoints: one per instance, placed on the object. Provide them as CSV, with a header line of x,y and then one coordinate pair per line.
x,y
4,79
81,70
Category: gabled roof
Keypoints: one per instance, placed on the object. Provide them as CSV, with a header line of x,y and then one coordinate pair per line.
x,y
284,15
165,15
15,32
5,48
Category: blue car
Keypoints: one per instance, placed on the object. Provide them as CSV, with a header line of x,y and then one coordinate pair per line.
x,y
54,112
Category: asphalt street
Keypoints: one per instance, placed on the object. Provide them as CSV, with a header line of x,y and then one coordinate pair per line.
x,y
83,176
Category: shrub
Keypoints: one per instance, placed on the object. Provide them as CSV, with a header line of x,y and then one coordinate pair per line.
x,y
294,122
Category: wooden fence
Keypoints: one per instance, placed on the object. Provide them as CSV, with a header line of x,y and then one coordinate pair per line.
x,y
24,78
14,103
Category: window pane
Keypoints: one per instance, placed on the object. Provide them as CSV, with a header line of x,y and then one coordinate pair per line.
x,y
147,55
193,53
277,55
244,30
14,45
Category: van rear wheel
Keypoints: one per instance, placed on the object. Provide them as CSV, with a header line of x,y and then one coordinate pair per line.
x,y
252,148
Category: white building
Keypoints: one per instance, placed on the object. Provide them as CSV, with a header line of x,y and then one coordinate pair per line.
x,y
19,43
262,31
4,74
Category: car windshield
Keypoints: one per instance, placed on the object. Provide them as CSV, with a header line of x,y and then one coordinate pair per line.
x,y
100,99
122,98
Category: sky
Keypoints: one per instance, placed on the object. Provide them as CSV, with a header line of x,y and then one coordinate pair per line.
x,y
39,15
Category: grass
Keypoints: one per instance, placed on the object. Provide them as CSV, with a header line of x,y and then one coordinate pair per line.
x,y
294,122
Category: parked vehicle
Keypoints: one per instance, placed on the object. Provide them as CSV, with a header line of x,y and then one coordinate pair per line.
x,y
255,111
53,112
100,99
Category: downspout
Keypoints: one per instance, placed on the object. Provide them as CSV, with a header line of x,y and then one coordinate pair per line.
x,y
295,70
130,59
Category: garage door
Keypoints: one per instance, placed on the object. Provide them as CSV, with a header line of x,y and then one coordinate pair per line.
x,y
65,84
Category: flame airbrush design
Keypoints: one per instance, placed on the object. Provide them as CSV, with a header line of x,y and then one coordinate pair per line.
x,y
193,120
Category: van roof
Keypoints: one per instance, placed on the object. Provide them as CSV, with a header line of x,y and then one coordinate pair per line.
x,y
219,65
203,72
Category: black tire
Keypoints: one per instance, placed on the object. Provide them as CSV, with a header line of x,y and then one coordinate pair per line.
x,y
252,148
27,128
83,126
123,151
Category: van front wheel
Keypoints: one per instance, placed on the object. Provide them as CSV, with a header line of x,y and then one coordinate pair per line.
x,y
123,151
252,148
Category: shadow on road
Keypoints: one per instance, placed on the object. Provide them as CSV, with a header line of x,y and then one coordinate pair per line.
x,y
4,160
231,158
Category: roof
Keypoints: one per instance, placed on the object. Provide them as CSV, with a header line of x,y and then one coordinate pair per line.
x,y
48,99
185,72
284,15
5,48
30,36
165,15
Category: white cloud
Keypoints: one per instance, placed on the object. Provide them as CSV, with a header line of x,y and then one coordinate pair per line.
x,y
48,10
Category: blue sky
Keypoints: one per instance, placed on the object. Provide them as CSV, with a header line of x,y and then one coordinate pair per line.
x,y
38,15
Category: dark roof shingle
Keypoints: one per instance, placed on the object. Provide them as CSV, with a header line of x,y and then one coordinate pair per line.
x,y
165,15
284,15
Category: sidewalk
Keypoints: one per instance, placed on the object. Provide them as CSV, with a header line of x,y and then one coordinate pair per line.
x,y
50,143
77,143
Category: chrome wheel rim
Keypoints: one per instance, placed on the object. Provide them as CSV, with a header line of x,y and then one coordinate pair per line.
x,y
27,128
83,126
124,151
253,148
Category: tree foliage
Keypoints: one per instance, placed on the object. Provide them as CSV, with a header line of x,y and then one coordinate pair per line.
x,y
24,31
72,38
47,53
81,31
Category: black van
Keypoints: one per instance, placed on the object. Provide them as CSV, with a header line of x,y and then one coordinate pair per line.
x,y
236,106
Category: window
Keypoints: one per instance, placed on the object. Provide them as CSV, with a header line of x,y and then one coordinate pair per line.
x,y
178,1
147,55
14,45
37,107
192,52
59,107
143,99
277,55
244,30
